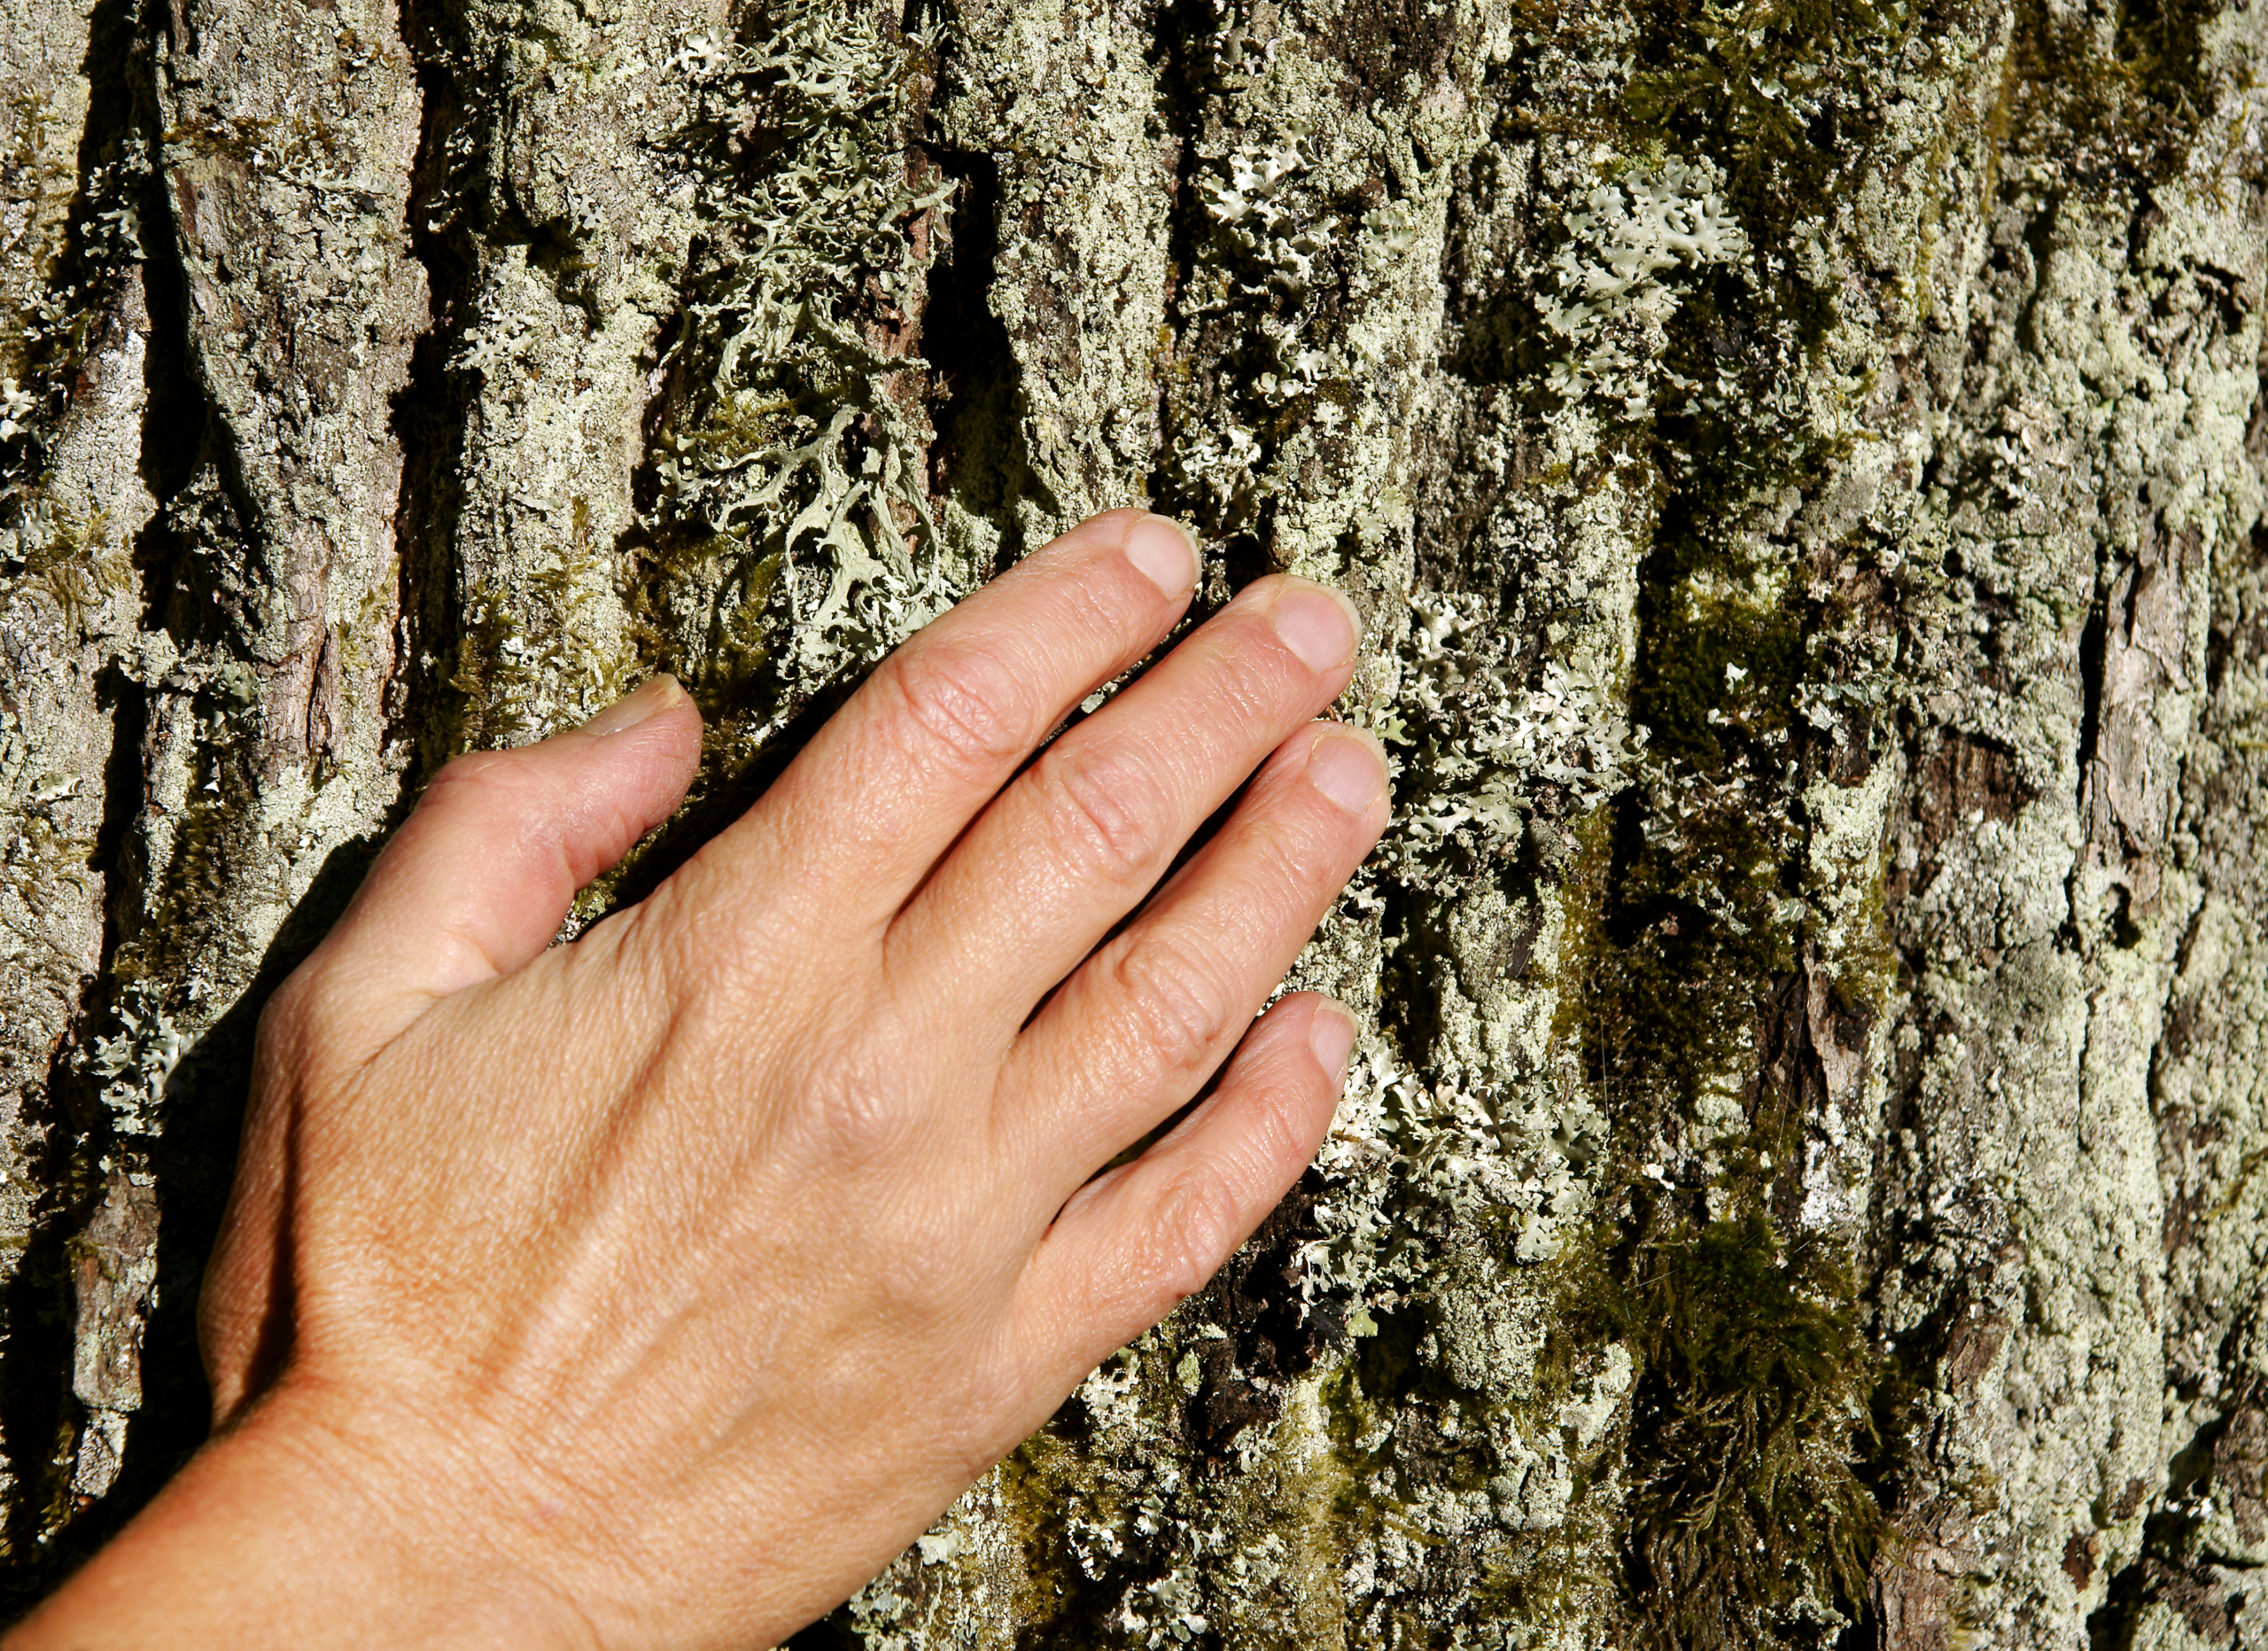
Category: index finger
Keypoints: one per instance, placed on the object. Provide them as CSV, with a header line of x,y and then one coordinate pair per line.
x,y
869,807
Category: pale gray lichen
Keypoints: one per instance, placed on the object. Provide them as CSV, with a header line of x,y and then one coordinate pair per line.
x,y
1487,755
1612,299
135,1064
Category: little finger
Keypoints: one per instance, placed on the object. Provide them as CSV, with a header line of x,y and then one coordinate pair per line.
x,y
1132,1243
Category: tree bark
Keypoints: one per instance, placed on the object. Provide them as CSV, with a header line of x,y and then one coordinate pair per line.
x,y
1801,463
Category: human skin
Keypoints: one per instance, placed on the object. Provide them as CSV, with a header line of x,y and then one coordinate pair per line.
x,y
655,1289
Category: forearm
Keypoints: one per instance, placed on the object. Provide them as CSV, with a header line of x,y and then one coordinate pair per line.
x,y
278,1534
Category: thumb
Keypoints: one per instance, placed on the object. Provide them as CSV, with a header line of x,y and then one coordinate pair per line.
x,y
480,878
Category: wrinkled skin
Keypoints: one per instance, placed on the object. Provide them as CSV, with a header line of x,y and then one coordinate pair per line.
x,y
656,1288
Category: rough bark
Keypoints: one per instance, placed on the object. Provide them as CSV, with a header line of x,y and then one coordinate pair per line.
x,y
1801,463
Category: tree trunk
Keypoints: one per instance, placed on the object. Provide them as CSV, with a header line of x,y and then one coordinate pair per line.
x,y
1801,463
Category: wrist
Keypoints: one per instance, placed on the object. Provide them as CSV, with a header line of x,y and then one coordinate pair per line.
x,y
302,1527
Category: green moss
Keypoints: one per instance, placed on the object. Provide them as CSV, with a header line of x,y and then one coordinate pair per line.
x,y
1756,1378
1726,1298
1747,1523
39,185
2124,106
1043,1478
1742,1519
524,661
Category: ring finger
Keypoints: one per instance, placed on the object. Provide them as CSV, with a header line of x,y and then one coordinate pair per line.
x,y
1144,1021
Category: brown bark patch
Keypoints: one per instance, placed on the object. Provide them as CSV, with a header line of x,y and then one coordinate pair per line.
x,y
1967,779
2241,1470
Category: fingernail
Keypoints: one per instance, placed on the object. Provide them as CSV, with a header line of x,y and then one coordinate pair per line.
x,y
1166,552
1348,767
1316,623
656,693
1331,1034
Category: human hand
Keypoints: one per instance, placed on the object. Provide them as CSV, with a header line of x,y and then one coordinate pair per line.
x,y
657,1288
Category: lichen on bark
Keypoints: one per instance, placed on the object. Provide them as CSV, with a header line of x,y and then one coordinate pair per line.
x,y
1800,464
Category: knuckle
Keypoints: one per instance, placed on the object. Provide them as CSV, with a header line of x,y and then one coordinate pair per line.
x,y
1101,814
935,1264
293,1022
289,1006
993,1390
694,943
918,1278
1248,690
1295,863
962,704
1274,1119
482,786
472,770
860,1116
857,1123
467,766
1178,1000
1196,1224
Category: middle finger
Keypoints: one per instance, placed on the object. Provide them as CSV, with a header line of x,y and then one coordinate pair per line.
x,y
1087,830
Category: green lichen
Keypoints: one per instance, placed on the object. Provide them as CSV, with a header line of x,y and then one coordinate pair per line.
x,y
521,650
790,474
